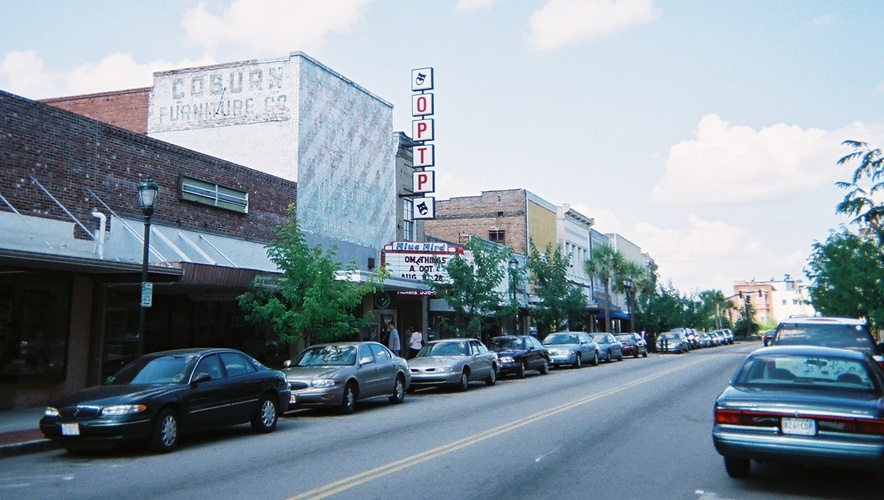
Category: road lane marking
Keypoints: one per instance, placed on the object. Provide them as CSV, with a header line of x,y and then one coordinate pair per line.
x,y
405,463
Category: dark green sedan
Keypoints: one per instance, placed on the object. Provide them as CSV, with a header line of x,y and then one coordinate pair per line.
x,y
159,397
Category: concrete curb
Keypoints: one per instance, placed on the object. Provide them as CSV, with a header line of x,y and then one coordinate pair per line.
x,y
36,446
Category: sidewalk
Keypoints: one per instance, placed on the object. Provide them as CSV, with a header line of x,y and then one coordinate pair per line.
x,y
19,432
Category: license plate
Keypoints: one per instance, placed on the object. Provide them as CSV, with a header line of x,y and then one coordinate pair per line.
x,y
799,426
70,429
292,399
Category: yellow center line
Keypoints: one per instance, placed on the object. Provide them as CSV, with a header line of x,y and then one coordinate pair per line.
x,y
385,470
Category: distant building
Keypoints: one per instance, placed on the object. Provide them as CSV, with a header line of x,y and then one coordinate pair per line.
x,y
772,300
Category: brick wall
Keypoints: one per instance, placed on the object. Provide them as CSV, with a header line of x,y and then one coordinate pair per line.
x,y
125,108
477,215
66,153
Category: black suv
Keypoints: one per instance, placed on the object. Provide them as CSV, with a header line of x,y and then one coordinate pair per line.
x,y
844,333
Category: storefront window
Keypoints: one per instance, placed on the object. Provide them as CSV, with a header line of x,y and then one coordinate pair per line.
x,y
34,325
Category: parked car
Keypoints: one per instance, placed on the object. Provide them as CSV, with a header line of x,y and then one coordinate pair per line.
x,y
706,339
633,345
717,338
609,347
519,353
453,362
728,335
159,397
805,405
673,341
341,374
571,348
847,333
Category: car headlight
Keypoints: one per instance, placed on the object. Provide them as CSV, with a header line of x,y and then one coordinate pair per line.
x,y
322,383
50,412
445,369
122,409
507,359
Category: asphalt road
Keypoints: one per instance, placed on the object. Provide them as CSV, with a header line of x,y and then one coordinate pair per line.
x,y
633,429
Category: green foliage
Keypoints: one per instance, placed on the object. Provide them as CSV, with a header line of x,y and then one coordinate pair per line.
x,y
846,277
606,263
473,290
560,300
308,303
865,189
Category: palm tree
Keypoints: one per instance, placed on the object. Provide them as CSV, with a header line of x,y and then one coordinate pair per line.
x,y
605,262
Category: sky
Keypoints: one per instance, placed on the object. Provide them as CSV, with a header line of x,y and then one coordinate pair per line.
x,y
707,133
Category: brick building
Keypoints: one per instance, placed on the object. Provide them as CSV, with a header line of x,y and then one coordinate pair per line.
x,y
71,249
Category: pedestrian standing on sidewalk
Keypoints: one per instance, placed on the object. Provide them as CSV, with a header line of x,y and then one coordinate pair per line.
x,y
415,341
393,342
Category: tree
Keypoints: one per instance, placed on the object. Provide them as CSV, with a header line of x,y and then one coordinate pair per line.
x,y
713,306
846,277
309,302
606,263
561,302
863,199
473,289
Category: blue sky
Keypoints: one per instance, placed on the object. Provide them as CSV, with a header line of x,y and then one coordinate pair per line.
x,y
705,132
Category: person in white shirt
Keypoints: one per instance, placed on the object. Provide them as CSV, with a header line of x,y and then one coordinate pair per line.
x,y
415,341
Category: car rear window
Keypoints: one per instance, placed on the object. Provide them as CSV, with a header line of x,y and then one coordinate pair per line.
x,y
843,336
806,370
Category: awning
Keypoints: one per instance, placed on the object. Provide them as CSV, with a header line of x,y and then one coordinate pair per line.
x,y
614,315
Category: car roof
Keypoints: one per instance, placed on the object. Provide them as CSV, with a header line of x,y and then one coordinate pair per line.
x,y
811,350
823,320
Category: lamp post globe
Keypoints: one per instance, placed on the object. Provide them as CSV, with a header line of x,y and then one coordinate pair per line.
x,y
513,265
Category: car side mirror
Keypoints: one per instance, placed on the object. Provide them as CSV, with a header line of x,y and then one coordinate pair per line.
x,y
200,378
287,363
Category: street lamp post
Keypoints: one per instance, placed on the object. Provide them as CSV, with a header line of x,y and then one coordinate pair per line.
x,y
147,199
513,266
627,285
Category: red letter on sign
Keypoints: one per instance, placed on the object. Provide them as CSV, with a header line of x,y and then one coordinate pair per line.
x,y
423,155
424,181
422,130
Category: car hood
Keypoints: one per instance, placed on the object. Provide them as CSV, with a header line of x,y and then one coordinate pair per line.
x,y
510,352
312,372
431,361
105,395
561,346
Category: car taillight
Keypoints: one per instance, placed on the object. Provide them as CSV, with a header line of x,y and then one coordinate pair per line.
x,y
824,423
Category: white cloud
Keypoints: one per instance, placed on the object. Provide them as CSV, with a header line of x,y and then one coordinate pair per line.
x,y
563,22
276,26
710,254
23,73
606,220
727,163
474,4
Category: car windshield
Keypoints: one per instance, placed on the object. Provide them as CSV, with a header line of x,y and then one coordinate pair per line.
x,y
625,338
671,336
152,370
445,349
561,338
600,338
507,343
827,335
327,355
805,371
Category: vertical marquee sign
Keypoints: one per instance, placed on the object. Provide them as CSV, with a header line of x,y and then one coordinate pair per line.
x,y
422,132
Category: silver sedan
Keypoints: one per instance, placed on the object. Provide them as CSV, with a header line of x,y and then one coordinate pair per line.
x,y
342,373
453,362
572,348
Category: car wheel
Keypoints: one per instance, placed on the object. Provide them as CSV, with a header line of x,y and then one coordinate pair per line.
x,y
608,357
544,367
348,402
520,371
164,437
635,354
264,420
595,359
464,381
645,353
620,357
578,361
491,379
398,395
737,468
